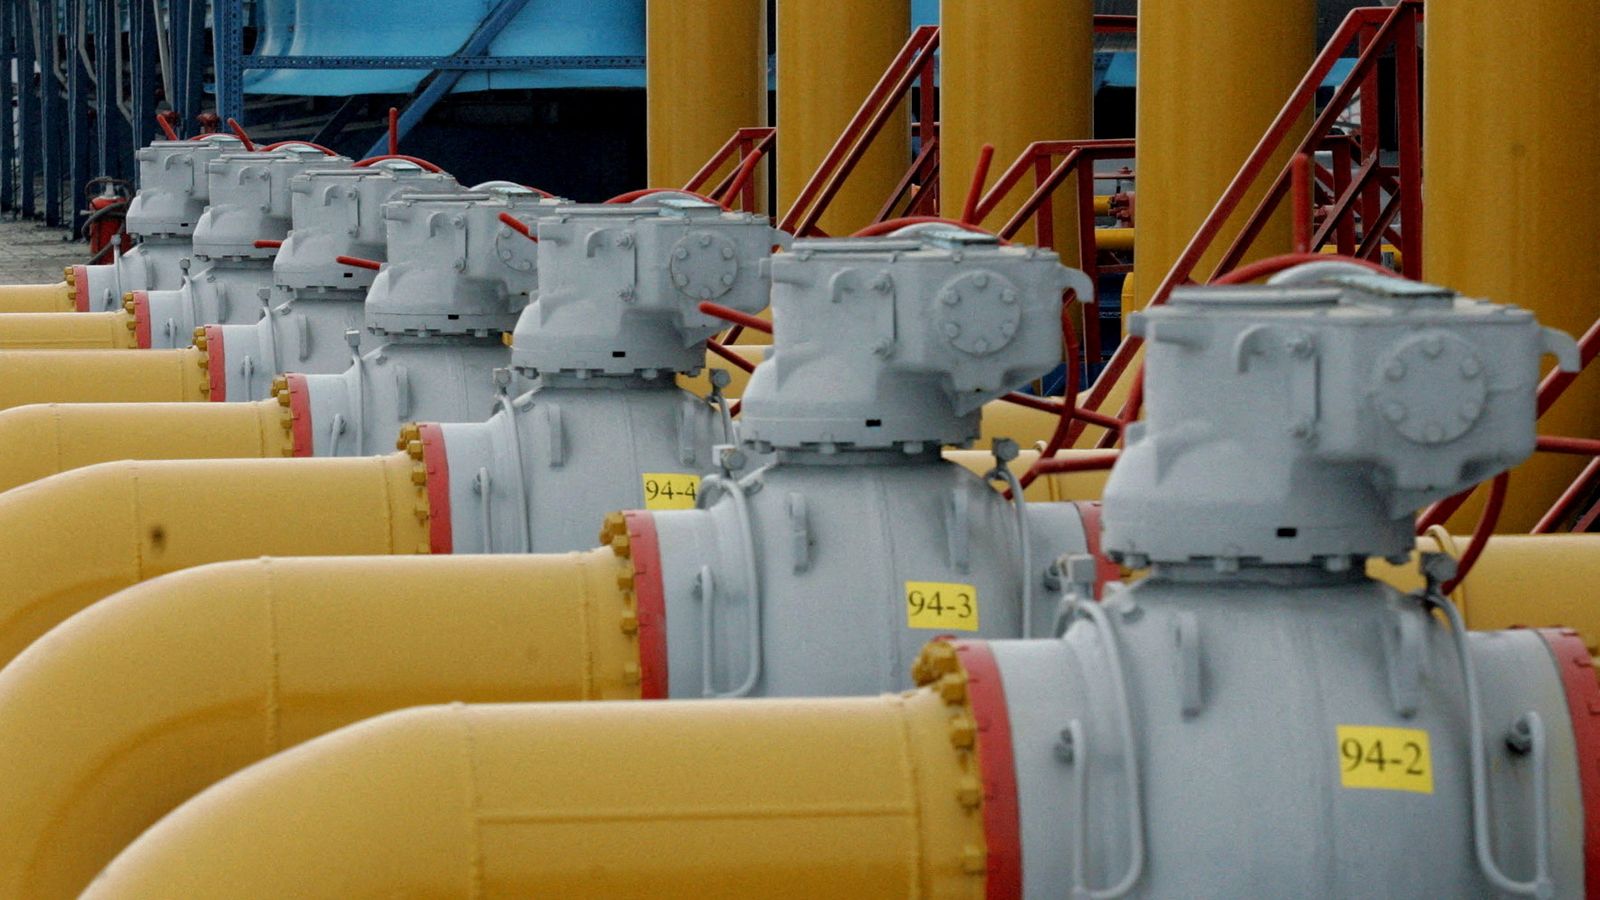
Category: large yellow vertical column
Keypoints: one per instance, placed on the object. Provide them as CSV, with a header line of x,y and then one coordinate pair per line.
x,y
705,77
1512,200
1212,76
830,55
1013,72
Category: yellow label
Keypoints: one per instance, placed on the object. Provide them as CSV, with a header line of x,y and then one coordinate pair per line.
x,y
670,490
1385,759
941,605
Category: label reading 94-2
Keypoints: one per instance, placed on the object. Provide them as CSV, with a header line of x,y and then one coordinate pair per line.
x,y
942,605
670,490
1385,759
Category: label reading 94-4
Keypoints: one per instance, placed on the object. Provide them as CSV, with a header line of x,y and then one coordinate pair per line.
x,y
670,490
943,605
1385,759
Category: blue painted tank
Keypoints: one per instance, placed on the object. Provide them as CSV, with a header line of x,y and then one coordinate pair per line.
x,y
571,28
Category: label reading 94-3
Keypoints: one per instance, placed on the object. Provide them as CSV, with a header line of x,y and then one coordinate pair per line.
x,y
941,605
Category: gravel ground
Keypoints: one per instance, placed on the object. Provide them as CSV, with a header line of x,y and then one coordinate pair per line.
x,y
30,253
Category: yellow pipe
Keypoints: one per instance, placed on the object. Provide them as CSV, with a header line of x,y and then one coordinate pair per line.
x,y
1013,72
38,298
1212,76
830,55
1511,200
705,78
858,797
1535,581
42,440
88,376
141,701
1115,239
68,331
85,534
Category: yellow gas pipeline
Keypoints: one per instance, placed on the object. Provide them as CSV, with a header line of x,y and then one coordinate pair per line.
x,y
861,797
80,536
69,331
140,702
39,298
87,376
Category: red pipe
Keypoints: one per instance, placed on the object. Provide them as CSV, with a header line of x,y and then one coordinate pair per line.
x,y
1577,446
878,229
268,245
239,132
743,320
1089,463
1071,356
517,225
356,262
980,174
325,150
394,131
1300,190
1480,534
166,127
371,161
732,357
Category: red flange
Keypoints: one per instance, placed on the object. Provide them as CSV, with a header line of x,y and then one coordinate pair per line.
x,y
80,287
300,415
1002,819
216,364
437,461
1104,569
650,601
1583,703
141,319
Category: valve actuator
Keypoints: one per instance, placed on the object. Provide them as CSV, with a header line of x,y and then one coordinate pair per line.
x,y
1343,730
234,243
174,191
825,571
614,320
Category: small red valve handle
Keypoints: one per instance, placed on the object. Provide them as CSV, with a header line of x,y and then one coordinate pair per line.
x,y
519,226
754,323
268,245
240,133
356,262
371,161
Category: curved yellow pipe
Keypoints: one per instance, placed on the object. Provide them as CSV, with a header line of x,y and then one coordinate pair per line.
x,y
88,376
82,535
1533,581
38,298
859,797
143,700
68,331
46,439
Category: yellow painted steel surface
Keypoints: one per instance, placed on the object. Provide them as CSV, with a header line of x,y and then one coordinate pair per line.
x,y
103,376
68,331
860,797
1512,200
146,698
1211,78
37,298
77,537
42,440
1535,581
830,54
705,78
1013,72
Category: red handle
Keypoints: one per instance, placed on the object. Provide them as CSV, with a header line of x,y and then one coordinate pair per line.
x,y
268,245
240,133
754,323
356,262
517,225
325,150
371,161
631,196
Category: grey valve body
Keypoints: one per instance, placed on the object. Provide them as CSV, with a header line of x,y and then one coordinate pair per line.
x,y
824,572
1257,717
602,341
250,201
429,359
173,193
316,300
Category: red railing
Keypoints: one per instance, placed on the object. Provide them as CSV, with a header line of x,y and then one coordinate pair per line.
x,y
739,156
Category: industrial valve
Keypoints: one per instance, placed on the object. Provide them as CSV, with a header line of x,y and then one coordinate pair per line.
x,y
1344,730
826,570
615,319
174,191
234,244
316,298
438,326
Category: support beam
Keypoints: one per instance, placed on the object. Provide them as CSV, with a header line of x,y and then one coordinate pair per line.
x,y
706,77
8,117
52,125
